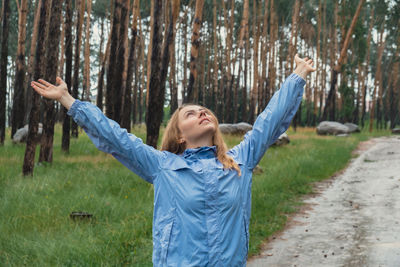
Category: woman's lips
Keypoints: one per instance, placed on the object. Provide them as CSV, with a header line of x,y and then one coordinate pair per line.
x,y
205,119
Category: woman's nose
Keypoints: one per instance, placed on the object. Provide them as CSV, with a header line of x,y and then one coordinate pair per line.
x,y
201,113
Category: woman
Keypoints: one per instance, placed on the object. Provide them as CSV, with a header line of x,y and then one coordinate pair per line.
x,y
202,191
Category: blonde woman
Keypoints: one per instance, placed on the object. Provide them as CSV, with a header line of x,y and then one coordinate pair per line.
x,y
202,190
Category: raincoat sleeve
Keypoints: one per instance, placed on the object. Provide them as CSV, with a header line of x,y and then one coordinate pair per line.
x,y
272,122
109,137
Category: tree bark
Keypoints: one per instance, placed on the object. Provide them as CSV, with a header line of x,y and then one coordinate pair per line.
x,y
86,69
80,6
378,78
65,139
52,50
194,52
154,113
170,41
112,64
215,57
103,58
141,100
316,85
18,109
29,91
120,72
395,90
254,91
127,108
3,68
38,72
364,87
149,50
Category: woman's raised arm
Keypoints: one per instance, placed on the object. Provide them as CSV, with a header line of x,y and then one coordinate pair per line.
x,y
276,117
106,134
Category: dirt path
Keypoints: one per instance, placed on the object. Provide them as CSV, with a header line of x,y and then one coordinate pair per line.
x,y
353,221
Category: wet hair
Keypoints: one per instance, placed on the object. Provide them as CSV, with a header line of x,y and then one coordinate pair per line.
x,y
172,134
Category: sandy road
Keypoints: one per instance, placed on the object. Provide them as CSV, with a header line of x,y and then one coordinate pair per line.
x,y
353,221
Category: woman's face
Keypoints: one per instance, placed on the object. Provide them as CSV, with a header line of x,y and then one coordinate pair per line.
x,y
196,122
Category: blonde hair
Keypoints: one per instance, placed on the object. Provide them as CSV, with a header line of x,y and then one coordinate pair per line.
x,y
170,140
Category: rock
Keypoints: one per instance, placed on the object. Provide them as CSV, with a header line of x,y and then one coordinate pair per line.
x,y
396,131
353,128
22,133
332,127
283,139
236,129
342,135
226,128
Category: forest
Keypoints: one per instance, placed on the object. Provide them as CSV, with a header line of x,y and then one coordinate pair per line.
x,y
139,60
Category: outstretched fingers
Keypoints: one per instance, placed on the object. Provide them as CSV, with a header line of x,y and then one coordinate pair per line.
x,y
38,89
39,85
46,83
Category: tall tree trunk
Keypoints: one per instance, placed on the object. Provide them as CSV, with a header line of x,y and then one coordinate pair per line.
x,y
395,87
271,63
168,45
356,111
127,108
215,58
68,73
38,72
104,61
245,114
3,68
86,69
185,44
52,50
380,107
264,50
316,85
80,6
228,61
141,100
364,87
329,106
154,112
254,91
292,48
135,100
111,92
149,51
18,109
194,52
103,58
29,91
62,51
173,85
378,78
120,73
324,59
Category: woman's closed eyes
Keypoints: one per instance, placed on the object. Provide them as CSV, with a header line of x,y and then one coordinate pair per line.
x,y
193,112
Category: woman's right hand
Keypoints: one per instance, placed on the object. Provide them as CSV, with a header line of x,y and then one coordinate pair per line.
x,y
57,92
304,66
49,90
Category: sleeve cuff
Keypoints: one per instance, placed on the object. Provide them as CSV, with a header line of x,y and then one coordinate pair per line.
x,y
297,79
72,110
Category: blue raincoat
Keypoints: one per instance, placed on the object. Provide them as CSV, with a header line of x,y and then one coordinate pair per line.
x,y
201,210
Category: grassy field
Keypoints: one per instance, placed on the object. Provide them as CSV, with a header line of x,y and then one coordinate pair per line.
x,y
35,228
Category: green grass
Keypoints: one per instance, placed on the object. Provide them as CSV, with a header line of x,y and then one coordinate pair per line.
x,y
35,228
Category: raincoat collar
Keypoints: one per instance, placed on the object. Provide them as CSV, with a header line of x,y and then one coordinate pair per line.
x,y
204,151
